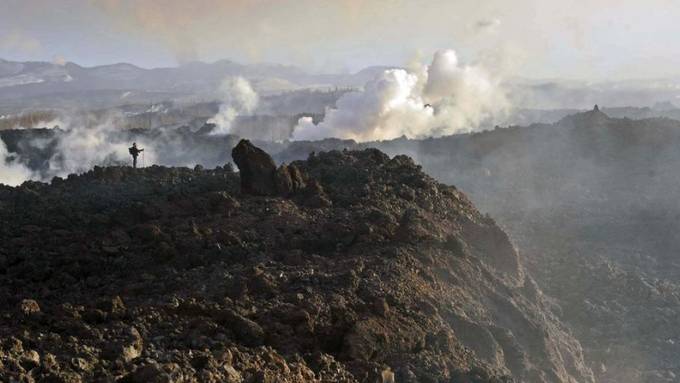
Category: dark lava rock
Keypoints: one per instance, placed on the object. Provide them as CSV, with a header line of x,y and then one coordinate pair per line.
x,y
29,307
289,180
247,331
126,346
369,271
314,195
256,167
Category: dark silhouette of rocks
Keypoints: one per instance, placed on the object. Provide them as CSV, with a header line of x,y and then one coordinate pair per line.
x,y
368,271
258,170
259,175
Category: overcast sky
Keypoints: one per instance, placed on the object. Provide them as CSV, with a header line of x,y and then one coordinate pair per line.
x,y
594,39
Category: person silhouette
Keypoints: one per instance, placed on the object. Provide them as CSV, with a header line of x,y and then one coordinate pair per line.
x,y
134,152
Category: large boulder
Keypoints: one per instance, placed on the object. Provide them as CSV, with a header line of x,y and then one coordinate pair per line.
x,y
258,170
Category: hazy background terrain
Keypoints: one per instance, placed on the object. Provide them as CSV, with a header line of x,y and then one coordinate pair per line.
x,y
494,97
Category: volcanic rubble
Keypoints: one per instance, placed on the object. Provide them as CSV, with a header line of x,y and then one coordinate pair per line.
x,y
345,267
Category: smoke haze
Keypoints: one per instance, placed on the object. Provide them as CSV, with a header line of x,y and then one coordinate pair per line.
x,y
12,172
588,195
547,39
83,141
91,142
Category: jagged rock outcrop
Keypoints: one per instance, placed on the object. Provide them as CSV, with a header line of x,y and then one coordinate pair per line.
x,y
259,175
258,170
372,271
289,180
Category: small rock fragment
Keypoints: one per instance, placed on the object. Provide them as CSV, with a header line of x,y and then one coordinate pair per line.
x,y
29,307
30,359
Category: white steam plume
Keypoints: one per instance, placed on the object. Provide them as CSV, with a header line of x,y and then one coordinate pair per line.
x,y
439,99
12,172
89,141
86,141
238,98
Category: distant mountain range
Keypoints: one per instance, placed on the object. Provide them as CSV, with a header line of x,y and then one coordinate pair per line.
x,y
25,85
45,84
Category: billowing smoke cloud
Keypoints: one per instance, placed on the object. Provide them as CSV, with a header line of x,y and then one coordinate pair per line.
x,y
84,140
442,98
238,98
90,141
12,172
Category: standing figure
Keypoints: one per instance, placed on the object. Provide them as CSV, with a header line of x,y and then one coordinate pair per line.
x,y
134,151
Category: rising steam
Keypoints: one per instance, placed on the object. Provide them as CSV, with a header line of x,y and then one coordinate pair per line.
x,y
442,98
238,98
12,172
90,141
84,140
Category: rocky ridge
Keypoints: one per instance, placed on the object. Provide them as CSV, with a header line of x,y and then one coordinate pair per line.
x,y
349,266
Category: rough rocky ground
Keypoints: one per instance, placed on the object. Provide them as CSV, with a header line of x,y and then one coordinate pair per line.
x,y
592,204
345,267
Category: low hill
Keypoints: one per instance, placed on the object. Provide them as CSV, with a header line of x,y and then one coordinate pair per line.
x,y
349,266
